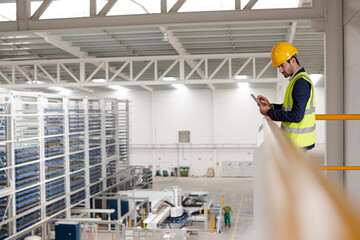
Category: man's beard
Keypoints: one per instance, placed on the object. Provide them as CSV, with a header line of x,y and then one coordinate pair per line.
x,y
285,74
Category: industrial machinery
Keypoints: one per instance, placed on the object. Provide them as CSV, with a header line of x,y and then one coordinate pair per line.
x,y
170,208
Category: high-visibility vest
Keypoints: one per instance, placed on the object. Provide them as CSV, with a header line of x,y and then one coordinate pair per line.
x,y
302,134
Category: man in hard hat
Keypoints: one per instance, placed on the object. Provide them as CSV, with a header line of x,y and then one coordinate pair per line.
x,y
297,113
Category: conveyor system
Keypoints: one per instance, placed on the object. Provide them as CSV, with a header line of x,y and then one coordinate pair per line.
x,y
155,220
169,206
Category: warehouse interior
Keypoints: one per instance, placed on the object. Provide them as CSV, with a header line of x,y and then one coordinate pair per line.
x,y
133,119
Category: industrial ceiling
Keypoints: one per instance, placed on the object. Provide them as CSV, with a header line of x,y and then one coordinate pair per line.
x,y
215,54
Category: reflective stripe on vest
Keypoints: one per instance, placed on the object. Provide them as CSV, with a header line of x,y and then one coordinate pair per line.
x,y
298,130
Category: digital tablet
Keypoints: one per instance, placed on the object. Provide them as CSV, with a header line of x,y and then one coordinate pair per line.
x,y
255,99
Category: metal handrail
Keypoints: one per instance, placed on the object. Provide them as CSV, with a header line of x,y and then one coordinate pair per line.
x,y
297,201
337,116
339,167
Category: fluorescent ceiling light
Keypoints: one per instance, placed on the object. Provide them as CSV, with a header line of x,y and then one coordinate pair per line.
x,y
243,85
99,80
179,86
241,77
165,37
316,77
266,4
33,82
118,88
60,89
169,79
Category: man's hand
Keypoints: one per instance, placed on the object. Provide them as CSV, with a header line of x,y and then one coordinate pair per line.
x,y
263,100
263,110
265,105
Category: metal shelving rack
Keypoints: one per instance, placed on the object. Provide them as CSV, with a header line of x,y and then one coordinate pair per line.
x,y
54,153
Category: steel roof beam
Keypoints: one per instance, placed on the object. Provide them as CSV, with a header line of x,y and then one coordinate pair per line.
x,y
108,6
92,8
184,18
140,83
22,14
76,51
142,58
40,11
163,6
175,43
63,45
177,6
237,4
293,27
250,4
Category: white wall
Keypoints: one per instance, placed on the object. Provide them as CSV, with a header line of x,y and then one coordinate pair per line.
x,y
228,118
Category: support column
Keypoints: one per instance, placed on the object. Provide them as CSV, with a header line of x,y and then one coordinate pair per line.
x,y
86,152
334,87
22,14
153,133
351,93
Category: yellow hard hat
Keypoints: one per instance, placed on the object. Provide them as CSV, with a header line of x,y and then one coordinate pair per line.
x,y
282,52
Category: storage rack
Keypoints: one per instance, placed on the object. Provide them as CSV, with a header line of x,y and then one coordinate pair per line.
x,y
123,131
54,153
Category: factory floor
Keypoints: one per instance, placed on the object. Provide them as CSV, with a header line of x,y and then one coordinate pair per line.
x,y
237,192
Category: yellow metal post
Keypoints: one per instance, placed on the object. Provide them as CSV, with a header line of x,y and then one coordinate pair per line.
x,y
144,224
97,216
223,201
129,223
204,211
212,224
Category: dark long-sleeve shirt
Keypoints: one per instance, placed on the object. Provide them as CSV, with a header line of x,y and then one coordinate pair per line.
x,y
300,95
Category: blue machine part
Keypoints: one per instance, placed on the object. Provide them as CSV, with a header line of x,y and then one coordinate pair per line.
x,y
182,219
67,230
113,205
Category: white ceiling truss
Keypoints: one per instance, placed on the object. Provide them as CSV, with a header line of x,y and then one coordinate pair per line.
x,y
140,50
66,46
142,71
25,22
